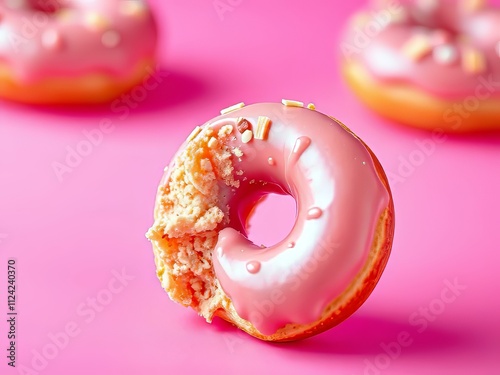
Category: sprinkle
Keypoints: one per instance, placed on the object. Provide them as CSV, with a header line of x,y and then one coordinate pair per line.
x,y
51,40
232,108
263,126
311,106
111,38
292,103
473,61
417,47
212,142
247,136
96,21
445,54
242,124
473,5
194,133
133,8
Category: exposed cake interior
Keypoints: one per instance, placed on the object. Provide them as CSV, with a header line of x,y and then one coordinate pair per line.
x,y
190,210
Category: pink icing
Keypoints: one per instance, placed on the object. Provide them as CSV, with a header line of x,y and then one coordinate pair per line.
x,y
40,38
377,43
332,177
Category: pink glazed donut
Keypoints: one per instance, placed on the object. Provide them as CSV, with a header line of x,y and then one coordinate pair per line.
x,y
433,64
74,51
326,266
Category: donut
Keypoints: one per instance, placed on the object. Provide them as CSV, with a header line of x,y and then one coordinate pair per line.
x,y
333,256
431,64
74,51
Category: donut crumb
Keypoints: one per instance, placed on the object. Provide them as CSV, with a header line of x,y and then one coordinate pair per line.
x,y
237,152
190,208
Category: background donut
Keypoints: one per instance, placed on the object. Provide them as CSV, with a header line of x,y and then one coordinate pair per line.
x,y
74,51
420,62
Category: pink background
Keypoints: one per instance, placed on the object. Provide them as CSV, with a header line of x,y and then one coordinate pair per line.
x,y
70,236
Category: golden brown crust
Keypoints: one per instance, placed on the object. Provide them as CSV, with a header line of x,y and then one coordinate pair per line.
x,y
87,89
409,105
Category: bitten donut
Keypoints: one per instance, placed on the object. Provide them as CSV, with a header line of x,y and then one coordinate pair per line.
x,y
433,64
74,51
326,266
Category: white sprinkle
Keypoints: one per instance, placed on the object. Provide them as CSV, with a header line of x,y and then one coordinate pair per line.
x,y
232,108
247,136
445,54
292,103
194,133
263,126
111,39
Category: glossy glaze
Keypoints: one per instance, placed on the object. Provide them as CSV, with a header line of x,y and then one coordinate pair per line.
x,y
339,200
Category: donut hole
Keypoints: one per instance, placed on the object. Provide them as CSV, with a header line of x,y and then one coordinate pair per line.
x,y
272,219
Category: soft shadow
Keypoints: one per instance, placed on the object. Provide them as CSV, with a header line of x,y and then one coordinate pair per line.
x,y
364,335
491,137
174,88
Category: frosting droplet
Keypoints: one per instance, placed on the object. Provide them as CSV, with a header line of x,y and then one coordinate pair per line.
x,y
111,39
271,161
253,266
301,144
52,40
314,213
445,54
291,245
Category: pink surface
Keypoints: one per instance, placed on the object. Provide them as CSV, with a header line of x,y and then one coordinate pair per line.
x,y
435,309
